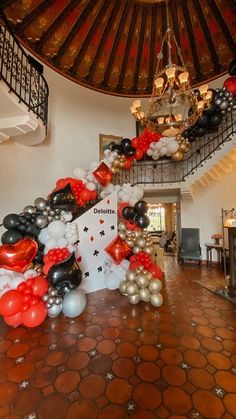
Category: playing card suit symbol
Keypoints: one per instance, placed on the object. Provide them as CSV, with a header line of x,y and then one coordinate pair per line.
x,y
101,221
91,238
17,257
65,275
108,201
63,199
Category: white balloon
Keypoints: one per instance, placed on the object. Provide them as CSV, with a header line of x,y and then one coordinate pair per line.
x,y
56,229
79,173
62,242
163,151
18,280
91,186
74,303
50,244
172,147
93,165
43,236
66,216
55,310
112,282
31,273
5,284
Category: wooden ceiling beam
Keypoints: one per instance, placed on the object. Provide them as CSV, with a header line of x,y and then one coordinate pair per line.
x,y
211,46
110,22
20,27
175,23
81,19
93,28
115,45
53,27
187,19
213,5
140,49
127,48
152,47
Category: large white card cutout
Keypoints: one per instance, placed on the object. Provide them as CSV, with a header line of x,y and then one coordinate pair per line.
x,y
97,228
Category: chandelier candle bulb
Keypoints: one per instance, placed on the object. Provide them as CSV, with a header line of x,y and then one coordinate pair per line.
x,y
203,89
170,72
183,77
137,103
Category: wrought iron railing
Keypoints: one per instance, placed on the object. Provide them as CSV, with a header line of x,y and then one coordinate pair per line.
x,y
167,171
21,76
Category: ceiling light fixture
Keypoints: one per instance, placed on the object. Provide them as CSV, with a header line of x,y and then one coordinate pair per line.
x,y
173,105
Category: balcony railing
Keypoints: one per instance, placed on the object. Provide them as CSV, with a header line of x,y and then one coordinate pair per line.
x,y
21,76
166,171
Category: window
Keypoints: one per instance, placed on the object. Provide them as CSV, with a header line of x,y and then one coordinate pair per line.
x,y
156,214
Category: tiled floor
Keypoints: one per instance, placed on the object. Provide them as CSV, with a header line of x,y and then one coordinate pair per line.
x,y
121,361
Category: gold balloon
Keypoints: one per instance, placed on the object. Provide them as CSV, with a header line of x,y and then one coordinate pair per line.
x,y
122,287
114,170
130,242
149,275
144,294
131,275
137,233
155,285
141,242
134,299
136,249
116,163
156,300
122,235
183,147
122,227
131,288
148,250
178,156
142,280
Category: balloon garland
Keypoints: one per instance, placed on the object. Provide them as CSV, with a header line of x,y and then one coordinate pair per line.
x,y
39,262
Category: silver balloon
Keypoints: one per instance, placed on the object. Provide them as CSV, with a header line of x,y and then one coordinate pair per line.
x,y
41,221
40,203
58,301
74,303
134,299
45,298
54,310
30,209
131,288
224,105
122,287
141,242
122,235
48,305
142,281
136,249
155,285
130,275
218,101
122,227
51,300
144,294
52,292
130,243
148,250
48,208
57,217
52,212
50,218
156,300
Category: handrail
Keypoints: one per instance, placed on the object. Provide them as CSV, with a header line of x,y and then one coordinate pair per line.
x,y
165,171
20,75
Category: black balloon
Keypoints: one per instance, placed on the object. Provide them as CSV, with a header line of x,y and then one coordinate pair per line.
x,y
216,119
200,131
142,221
129,151
203,121
126,142
65,275
141,207
211,110
128,213
39,257
11,237
11,221
63,199
117,147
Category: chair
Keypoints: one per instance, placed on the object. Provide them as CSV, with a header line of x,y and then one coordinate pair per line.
x,y
190,245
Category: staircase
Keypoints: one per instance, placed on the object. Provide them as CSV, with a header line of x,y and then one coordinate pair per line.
x,y
209,158
23,93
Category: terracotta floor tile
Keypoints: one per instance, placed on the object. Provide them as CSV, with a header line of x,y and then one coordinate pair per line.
x,y
148,338
147,396
123,367
26,401
21,372
37,354
226,380
142,414
219,361
100,364
92,386
119,391
78,361
148,371
177,400
86,344
174,375
44,377
208,404
205,331
93,331
112,412
201,378
7,391
230,403
4,345
171,356
225,333
126,349
4,411
54,406
148,353
67,382
106,347
168,340
195,359
56,358
189,342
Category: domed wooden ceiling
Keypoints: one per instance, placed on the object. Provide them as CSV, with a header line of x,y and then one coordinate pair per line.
x,y
111,45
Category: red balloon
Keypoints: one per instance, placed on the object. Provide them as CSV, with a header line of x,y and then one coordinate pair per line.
x,y
40,286
85,195
11,303
35,315
156,272
17,257
230,84
135,264
131,226
14,320
118,250
103,174
47,266
139,154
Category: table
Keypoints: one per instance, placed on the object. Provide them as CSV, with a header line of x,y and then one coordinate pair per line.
x,y
218,248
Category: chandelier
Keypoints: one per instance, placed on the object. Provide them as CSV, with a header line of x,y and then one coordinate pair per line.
x,y
173,106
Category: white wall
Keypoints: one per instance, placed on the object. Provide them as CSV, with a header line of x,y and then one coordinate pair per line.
x,y
205,212
77,115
